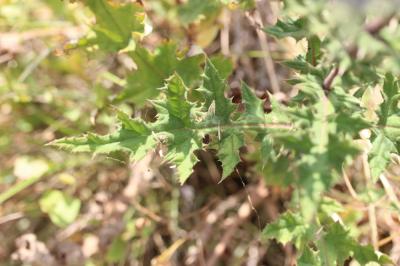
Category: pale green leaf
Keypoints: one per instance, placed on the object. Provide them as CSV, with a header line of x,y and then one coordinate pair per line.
x,y
228,152
289,227
309,258
213,87
254,111
379,156
61,208
288,28
194,10
117,24
154,68
123,140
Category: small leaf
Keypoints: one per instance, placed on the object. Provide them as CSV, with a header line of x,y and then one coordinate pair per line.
x,y
392,128
154,68
288,28
214,89
289,227
116,250
309,258
194,10
228,152
335,246
391,97
130,141
313,50
223,65
117,24
380,155
253,105
61,208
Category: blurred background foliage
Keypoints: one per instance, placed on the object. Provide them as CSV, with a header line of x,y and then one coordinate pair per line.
x,y
72,209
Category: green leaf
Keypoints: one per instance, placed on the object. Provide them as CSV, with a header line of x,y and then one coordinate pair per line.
x,y
379,156
228,152
219,107
181,153
267,151
288,28
309,258
61,208
223,65
392,128
366,254
289,227
116,24
335,246
391,97
137,142
313,50
300,64
176,124
176,127
254,111
194,10
116,251
154,68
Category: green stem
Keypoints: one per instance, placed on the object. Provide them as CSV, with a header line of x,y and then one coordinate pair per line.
x,y
12,191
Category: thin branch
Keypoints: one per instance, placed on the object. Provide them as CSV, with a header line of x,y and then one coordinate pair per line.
x,y
327,84
375,26
256,21
353,193
371,206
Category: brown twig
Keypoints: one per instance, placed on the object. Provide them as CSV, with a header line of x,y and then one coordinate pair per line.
x,y
256,21
327,84
375,26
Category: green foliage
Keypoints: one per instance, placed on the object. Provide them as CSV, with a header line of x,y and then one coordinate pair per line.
x,y
333,246
289,28
303,143
117,25
154,68
180,125
289,227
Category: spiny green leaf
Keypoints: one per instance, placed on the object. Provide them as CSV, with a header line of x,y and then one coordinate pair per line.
x,y
193,10
214,89
267,151
176,122
288,28
309,258
223,64
313,50
154,68
380,155
289,227
300,64
228,152
253,105
391,97
392,128
366,254
116,24
176,105
123,140
336,246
